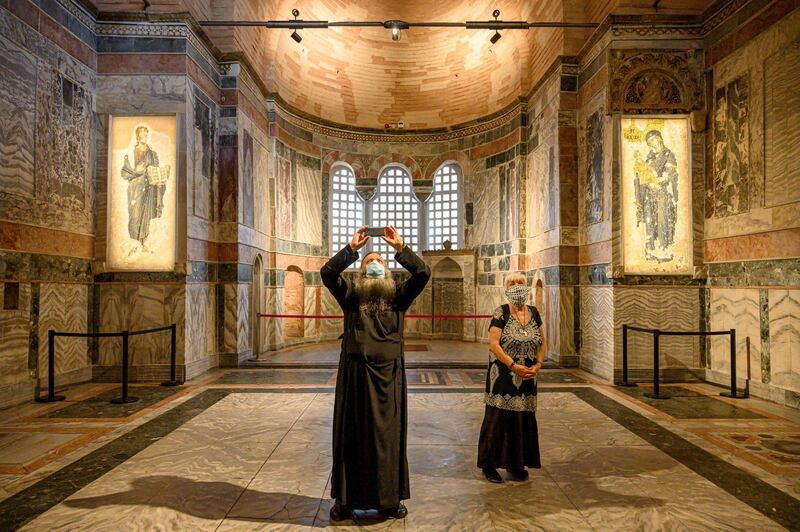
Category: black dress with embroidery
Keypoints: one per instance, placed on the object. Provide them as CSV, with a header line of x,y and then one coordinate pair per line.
x,y
509,434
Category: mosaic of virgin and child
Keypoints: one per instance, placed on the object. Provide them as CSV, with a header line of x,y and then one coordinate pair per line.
x,y
656,189
147,182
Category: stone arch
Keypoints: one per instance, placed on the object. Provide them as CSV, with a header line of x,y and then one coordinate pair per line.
x,y
455,156
294,302
353,161
406,160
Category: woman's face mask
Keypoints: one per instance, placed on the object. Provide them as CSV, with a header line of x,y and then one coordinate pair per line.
x,y
375,270
518,294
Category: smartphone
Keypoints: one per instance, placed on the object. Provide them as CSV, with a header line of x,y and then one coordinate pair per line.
x,y
374,231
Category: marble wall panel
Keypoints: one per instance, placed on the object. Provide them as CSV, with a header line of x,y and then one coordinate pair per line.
x,y
64,308
566,321
244,340
135,307
230,312
782,125
284,198
46,134
486,199
668,309
310,300
488,299
275,332
550,311
113,317
133,94
784,338
509,200
329,305
200,322
18,107
309,205
736,309
541,190
64,136
593,168
148,308
15,327
732,147
597,330
203,135
247,179
262,197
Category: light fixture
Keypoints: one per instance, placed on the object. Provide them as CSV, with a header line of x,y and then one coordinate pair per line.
x,y
296,36
396,26
496,36
300,24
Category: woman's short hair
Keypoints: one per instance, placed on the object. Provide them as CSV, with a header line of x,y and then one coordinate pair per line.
x,y
514,277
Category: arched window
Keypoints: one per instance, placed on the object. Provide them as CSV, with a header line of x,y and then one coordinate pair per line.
x,y
347,208
395,204
444,208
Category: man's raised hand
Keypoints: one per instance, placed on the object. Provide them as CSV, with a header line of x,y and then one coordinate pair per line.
x,y
359,239
393,238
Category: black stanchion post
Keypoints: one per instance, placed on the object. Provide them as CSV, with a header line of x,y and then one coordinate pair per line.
x,y
51,371
732,394
655,394
172,357
747,382
625,359
125,398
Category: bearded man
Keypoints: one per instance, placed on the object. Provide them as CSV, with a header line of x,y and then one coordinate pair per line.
x,y
370,468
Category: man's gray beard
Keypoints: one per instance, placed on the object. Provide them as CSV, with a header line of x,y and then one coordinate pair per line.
x,y
375,294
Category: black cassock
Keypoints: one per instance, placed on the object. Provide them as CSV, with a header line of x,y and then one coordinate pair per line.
x,y
370,468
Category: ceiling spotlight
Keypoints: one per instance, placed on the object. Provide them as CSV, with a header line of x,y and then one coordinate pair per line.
x,y
496,36
296,36
396,26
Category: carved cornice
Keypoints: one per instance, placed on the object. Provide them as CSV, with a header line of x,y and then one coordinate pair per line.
x,y
718,12
364,135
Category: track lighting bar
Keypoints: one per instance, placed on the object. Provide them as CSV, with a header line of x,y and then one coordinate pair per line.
x,y
470,25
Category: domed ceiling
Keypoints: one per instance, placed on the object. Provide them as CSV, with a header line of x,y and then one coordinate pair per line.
x,y
430,78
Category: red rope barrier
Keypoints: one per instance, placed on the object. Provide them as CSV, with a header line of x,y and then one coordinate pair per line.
x,y
417,316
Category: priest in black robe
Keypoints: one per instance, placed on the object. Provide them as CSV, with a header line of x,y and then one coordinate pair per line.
x,y
370,466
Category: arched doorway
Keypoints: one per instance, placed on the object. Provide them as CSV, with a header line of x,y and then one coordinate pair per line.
x,y
257,307
448,298
294,302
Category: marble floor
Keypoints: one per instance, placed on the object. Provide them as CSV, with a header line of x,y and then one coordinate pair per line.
x,y
250,450
419,352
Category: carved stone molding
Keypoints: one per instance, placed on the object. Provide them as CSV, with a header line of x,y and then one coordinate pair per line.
x,y
654,81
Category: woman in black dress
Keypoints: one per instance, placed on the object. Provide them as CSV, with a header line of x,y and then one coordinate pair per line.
x,y
509,436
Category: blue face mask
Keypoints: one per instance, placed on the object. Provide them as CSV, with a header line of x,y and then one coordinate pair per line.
x,y
375,269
